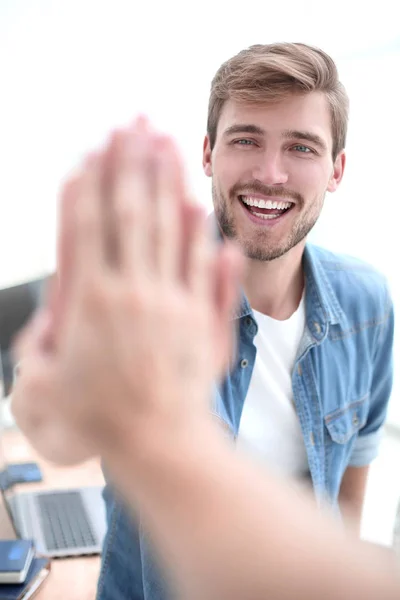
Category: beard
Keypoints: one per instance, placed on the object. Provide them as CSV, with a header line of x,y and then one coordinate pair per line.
x,y
261,247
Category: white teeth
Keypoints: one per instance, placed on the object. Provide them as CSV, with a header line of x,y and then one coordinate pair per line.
x,y
264,216
271,204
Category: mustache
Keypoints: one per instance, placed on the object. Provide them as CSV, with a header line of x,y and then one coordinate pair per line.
x,y
256,187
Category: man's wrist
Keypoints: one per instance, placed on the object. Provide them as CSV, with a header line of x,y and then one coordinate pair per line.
x,y
157,451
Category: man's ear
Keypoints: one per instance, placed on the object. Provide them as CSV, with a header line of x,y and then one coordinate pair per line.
x,y
207,166
337,173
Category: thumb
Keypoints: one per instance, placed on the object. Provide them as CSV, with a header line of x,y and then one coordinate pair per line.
x,y
229,274
229,270
35,337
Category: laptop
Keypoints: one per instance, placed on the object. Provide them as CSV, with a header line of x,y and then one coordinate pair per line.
x,y
69,522
62,522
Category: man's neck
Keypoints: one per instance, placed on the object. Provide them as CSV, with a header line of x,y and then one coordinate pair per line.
x,y
275,287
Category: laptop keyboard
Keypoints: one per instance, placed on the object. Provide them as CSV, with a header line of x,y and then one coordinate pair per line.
x,y
64,521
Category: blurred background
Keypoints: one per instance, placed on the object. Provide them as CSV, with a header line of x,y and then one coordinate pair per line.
x,y
72,70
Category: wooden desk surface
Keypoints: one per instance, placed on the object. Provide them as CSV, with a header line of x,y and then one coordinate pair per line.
x,y
70,578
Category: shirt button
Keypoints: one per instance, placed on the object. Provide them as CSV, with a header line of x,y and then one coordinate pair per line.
x,y
356,420
299,370
317,328
244,363
248,321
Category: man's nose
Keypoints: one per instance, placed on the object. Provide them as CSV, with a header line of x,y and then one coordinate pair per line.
x,y
271,169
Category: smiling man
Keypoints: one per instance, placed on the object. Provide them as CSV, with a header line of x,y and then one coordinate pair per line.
x,y
312,376
308,390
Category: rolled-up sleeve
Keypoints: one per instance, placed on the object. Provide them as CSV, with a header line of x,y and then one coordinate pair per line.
x,y
366,447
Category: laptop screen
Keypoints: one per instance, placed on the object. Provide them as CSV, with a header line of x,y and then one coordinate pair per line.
x,y
17,304
8,529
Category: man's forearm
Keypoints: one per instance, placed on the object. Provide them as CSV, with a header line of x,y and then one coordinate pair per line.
x,y
225,530
352,496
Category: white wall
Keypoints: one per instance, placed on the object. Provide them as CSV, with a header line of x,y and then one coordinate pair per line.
x,y
70,70
361,218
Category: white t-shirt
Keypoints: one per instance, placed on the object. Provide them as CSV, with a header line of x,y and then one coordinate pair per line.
x,y
269,428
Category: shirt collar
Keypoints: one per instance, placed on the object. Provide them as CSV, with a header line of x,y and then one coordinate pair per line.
x,y
321,300
320,295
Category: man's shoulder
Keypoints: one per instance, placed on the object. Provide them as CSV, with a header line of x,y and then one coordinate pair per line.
x,y
350,269
353,280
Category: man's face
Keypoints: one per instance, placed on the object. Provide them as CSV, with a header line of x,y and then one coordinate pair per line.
x,y
271,167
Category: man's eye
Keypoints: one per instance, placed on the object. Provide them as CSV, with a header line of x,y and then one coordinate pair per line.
x,y
301,148
244,142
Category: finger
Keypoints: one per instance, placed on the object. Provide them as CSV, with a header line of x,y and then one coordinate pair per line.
x,y
168,201
89,252
59,284
229,267
108,212
198,251
54,303
131,197
66,230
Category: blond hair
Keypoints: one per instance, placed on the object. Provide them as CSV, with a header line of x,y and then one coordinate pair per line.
x,y
268,73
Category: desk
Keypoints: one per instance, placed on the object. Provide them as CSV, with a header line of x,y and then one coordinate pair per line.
x,y
70,578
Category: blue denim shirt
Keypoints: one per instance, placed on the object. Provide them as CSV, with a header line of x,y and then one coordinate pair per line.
x,y
342,382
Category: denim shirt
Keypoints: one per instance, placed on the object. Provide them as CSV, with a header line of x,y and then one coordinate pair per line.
x,y
342,382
